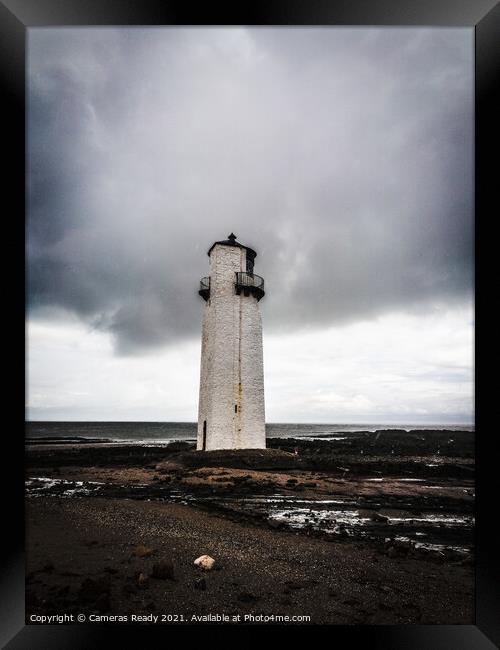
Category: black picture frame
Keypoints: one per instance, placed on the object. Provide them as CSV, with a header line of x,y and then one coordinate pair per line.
x,y
16,16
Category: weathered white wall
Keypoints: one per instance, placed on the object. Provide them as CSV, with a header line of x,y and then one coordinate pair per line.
x,y
231,360
253,432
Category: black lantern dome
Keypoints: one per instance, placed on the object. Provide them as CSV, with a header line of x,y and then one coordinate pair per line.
x,y
231,241
246,282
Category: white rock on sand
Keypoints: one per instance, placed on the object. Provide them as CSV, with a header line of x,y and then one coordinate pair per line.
x,y
205,562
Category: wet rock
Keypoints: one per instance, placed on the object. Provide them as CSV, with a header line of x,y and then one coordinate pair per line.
x,y
376,516
294,584
142,580
163,570
200,584
403,545
142,551
247,597
111,570
439,556
179,446
205,562
103,603
452,554
90,589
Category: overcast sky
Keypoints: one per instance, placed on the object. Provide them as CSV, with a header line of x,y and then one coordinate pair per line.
x,y
343,156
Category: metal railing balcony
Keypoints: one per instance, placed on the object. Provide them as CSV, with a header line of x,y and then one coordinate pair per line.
x,y
204,290
250,283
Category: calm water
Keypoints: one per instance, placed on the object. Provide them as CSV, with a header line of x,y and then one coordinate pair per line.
x,y
169,431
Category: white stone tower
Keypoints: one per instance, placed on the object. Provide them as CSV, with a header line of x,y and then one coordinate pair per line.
x,y
231,407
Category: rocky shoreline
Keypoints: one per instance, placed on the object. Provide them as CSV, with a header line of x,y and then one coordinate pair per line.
x,y
402,501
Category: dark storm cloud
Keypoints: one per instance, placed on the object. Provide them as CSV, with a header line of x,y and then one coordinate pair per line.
x,y
344,156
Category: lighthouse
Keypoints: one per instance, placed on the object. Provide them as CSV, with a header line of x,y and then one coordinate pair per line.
x,y
231,404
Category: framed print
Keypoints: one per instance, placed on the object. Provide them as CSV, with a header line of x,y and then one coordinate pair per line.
x,y
251,391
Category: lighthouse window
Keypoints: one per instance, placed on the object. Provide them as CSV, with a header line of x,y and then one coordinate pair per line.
x,y
249,265
236,408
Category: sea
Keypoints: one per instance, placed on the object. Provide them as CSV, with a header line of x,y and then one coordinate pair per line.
x,y
166,432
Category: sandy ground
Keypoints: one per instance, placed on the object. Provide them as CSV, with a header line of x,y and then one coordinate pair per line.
x,y
80,559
